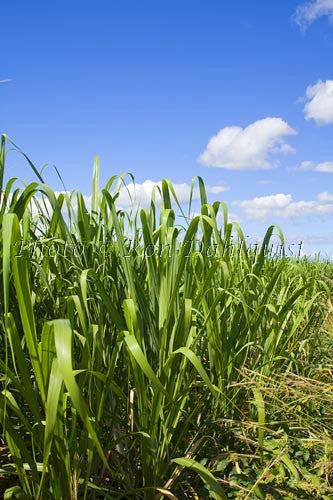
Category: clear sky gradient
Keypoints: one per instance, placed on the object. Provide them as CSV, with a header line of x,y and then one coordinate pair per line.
x,y
147,84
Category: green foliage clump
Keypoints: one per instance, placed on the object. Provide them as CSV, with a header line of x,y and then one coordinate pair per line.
x,y
150,354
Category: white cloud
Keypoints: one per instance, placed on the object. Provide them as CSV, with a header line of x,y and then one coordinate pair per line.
x,y
284,148
140,194
133,195
320,102
39,204
264,181
325,197
283,205
309,12
262,206
325,166
232,217
248,148
216,189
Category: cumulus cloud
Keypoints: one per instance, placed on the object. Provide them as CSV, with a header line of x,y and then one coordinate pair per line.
x,y
320,102
283,205
252,147
41,205
140,194
309,12
134,195
325,166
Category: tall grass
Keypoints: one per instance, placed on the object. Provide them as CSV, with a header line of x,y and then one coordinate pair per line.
x,y
141,348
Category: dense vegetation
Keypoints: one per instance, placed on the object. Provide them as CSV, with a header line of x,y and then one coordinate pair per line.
x,y
138,363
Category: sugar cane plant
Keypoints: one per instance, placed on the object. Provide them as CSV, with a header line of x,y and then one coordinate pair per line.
x,y
147,353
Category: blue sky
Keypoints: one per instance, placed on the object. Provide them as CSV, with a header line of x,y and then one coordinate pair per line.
x,y
147,85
